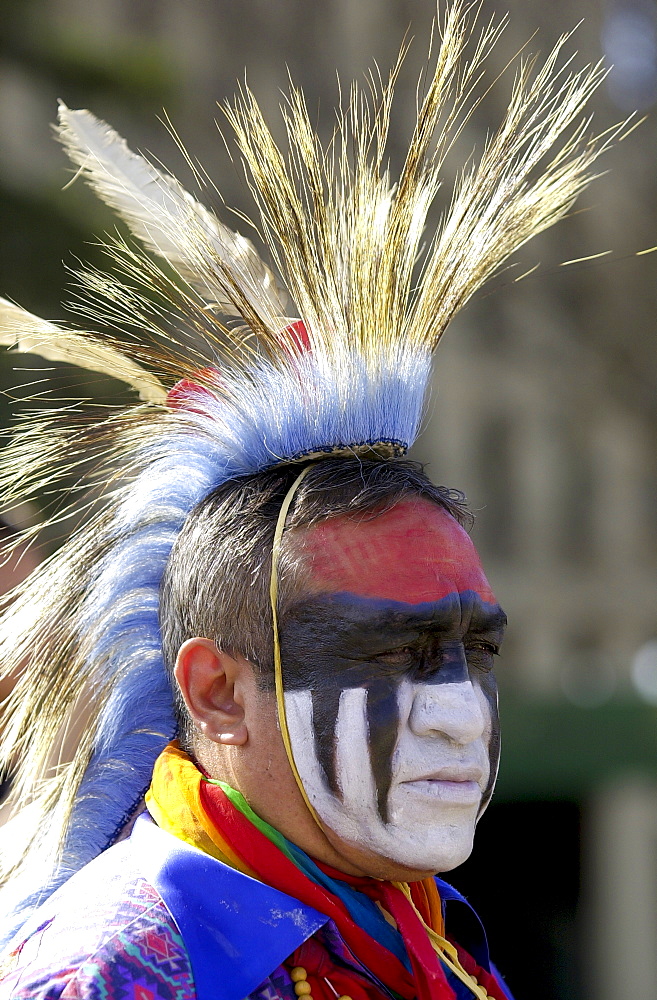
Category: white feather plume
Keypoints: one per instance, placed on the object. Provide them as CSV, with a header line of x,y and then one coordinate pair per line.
x,y
25,333
166,218
348,244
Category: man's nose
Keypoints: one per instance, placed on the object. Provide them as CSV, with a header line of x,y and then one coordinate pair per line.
x,y
450,709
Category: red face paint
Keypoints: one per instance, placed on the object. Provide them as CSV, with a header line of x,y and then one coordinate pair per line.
x,y
396,603
415,552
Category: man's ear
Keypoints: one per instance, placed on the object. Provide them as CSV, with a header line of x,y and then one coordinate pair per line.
x,y
207,679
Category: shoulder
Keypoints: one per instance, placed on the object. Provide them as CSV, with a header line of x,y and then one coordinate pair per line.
x,y
107,934
154,918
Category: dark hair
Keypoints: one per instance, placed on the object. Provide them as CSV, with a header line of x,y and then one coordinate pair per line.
x,y
216,583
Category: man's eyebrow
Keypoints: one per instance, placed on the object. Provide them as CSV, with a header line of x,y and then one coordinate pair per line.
x,y
385,616
427,619
487,618
381,612
347,614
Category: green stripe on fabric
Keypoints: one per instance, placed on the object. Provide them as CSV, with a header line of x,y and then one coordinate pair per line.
x,y
362,910
243,806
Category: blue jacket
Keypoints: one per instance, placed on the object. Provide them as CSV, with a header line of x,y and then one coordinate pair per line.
x,y
156,919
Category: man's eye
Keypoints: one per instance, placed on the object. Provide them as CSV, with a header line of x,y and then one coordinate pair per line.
x,y
482,653
484,647
404,656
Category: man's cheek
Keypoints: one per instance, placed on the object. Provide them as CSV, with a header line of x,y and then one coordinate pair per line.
x,y
327,694
341,750
370,737
358,788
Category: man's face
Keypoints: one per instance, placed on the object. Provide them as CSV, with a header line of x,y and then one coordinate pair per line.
x,y
389,689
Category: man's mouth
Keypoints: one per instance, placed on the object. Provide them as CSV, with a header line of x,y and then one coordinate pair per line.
x,y
458,785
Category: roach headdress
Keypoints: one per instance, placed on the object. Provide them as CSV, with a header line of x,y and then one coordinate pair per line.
x,y
239,366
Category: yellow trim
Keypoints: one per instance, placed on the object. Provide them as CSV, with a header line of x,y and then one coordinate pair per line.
x,y
446,950
278,669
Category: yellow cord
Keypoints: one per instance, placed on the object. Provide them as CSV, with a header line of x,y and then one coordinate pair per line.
x,y
278,670
446,950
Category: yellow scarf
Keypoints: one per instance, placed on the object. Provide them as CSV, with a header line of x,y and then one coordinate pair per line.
x,y
174,802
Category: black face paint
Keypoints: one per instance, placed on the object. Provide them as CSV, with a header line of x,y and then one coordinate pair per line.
x,y
383,729
488,685
326,701
331,642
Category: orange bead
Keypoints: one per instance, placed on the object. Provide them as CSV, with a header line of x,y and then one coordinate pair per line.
x,y
344,998
298,974
302,988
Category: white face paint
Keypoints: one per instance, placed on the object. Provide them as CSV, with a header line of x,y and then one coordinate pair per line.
x,y
440,770
389,685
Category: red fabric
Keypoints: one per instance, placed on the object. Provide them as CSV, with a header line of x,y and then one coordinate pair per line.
x,y
319,968
429,975
428,981
486,979
428,972
185,393
297,335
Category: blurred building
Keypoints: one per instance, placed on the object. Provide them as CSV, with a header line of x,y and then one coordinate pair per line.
x,y
544,413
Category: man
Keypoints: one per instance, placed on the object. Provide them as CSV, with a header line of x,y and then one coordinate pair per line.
x,y
268,578
388,631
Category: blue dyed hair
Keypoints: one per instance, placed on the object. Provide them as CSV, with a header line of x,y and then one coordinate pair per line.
x,y
114,624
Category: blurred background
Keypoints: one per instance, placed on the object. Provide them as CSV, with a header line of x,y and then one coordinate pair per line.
x,y
544,411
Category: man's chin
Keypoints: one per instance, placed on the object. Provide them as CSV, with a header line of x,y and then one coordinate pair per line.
x,y
406,856
393,870
433,860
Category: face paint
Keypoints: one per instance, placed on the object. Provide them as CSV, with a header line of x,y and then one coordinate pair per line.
x,y
389,691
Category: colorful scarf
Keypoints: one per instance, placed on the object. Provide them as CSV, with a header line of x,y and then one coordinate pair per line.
x,y
213,817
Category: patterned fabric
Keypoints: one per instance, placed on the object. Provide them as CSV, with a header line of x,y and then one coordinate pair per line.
x,y
131,926
216,819
133,952
109,933
142,957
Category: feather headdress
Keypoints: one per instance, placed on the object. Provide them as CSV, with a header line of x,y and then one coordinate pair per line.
x,y
239,368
